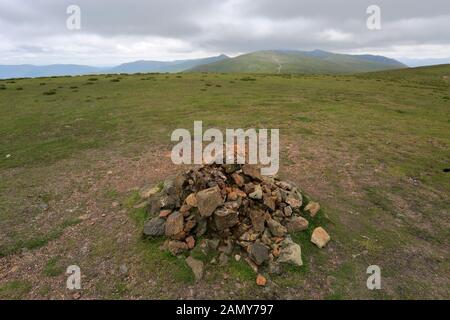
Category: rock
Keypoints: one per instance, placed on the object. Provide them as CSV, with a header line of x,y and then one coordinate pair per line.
x,y
288,211
258,220
320,237
173,185
294,203
189,225
154,205
291,253
147,192
259,253
191,200
269,201
77,295
225,218
252,171
140,205
201,227
223,259
257,194
297,224
169,201
261,280
155,227
176,247
123,269
197,267
251,264
190,241
230,168
275,268
276,228
164,213
174,224
208,200
238,179
312,208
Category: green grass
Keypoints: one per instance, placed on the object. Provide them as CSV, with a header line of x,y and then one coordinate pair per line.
x,y
367,138
14,290
37,241
53,267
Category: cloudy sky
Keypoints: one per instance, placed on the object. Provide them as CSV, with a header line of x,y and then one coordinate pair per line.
x,y
113,31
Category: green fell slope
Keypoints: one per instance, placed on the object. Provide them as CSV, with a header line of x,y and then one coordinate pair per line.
x,y
314,62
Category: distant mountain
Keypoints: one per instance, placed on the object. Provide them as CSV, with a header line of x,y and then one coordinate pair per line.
x,y
308,62
275,61
32,71
165,66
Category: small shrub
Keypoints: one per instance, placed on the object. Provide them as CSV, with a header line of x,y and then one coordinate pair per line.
x,y
49,93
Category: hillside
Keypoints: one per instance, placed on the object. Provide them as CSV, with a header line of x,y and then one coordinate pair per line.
x,y
165,66
319,62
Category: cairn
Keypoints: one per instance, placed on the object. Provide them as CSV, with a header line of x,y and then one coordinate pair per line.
x,y
236,212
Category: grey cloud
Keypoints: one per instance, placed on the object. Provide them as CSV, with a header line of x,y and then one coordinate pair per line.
x,y
160,28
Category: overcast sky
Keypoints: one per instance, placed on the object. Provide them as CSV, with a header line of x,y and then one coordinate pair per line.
x,y
113,31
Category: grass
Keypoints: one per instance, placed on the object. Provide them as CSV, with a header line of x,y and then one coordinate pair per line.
x,y
37,241
371,148
14,290
53,267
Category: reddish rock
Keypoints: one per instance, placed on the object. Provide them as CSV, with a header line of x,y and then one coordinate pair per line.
x,y
190,241
297,224
261,280
313,208
320,237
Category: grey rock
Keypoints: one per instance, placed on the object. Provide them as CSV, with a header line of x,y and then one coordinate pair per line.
x,y
225,218
197,267
259,253
291,253
276,228
155,227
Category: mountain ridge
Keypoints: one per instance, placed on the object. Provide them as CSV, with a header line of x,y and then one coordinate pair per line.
x,y
308,62
267,61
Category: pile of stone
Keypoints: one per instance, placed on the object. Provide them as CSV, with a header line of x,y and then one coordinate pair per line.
x,y
236,212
